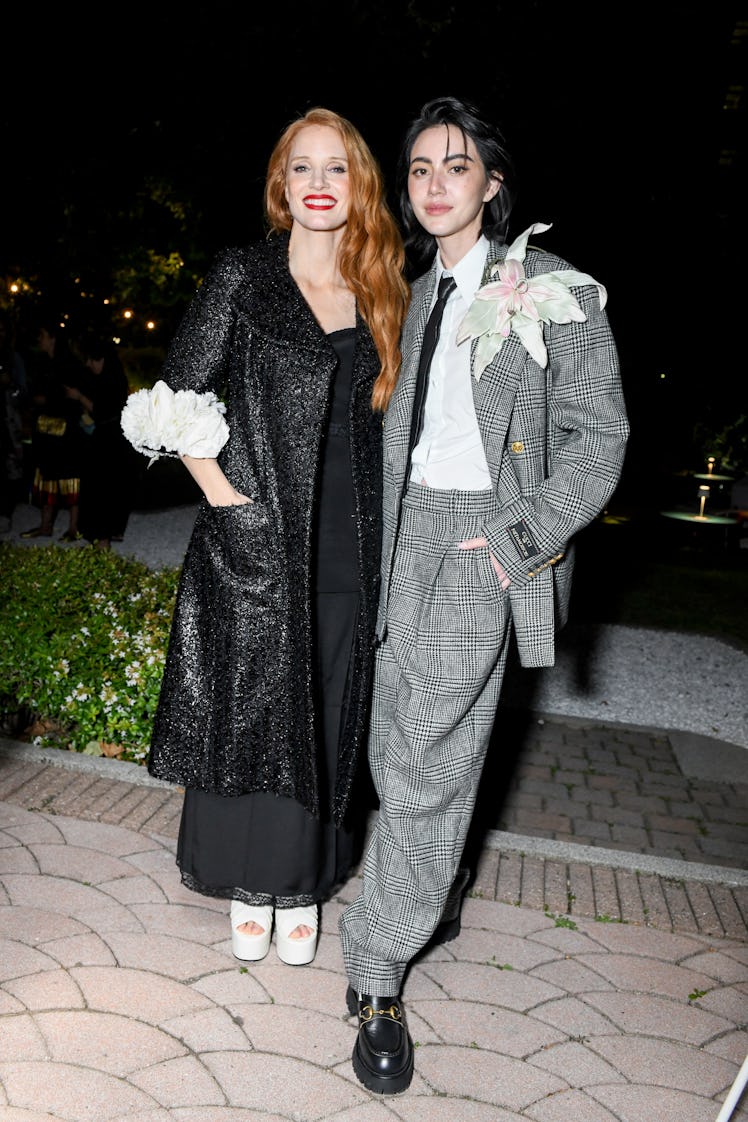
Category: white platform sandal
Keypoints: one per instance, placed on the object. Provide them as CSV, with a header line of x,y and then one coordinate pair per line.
x,y
296,952
251,948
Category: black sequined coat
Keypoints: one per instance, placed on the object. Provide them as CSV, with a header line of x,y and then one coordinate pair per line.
x,y
236,711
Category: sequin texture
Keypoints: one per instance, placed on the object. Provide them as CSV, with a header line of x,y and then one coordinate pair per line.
x,y
236,710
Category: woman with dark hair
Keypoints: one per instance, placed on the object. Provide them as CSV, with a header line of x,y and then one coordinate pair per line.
x,y
107,478
504,438
490,147
272,393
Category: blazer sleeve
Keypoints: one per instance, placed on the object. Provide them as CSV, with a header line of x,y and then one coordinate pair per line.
x,y
586,432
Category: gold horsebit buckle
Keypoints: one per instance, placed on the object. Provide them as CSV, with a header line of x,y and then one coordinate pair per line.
x,y
367,1012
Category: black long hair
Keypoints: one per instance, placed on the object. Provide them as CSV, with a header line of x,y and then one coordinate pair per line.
x,y
491,146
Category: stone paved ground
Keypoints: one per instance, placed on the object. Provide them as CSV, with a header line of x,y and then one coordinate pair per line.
x,y
567,777
587,983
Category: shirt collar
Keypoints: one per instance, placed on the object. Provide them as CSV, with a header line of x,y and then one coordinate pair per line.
x,y
468,273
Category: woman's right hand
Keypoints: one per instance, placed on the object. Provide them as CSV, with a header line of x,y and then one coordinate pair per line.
x,y
236,499
213,483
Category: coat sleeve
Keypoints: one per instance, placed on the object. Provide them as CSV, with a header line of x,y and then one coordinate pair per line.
x,y
586,432
197,358
182,414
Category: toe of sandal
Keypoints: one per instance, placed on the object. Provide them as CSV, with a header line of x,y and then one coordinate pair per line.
x,y
296,952
251,948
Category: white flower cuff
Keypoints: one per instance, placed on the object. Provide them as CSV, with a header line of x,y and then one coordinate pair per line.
x,y
159,422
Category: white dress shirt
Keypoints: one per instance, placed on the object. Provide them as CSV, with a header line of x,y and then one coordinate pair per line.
x,y
449,454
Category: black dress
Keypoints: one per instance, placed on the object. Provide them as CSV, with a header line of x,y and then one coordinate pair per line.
x,y
263,848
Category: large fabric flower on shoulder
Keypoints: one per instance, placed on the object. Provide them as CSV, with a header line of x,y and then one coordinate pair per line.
x,y
159,422
516,302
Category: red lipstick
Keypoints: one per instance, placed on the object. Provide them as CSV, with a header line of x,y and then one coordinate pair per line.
x,y
319,202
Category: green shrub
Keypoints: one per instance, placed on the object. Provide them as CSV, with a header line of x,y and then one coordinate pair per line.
x,y
83,638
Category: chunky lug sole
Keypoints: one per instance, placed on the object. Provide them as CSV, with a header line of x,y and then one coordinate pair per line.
x,y
296,952
251,948
393,1083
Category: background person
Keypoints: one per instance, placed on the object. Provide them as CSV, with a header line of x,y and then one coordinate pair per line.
x,y
108,471
57,448
13,421
265,697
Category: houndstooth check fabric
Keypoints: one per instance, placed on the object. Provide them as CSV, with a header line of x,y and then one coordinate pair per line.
x,y
555,442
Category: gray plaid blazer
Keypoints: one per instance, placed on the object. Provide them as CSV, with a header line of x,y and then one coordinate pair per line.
x,y
554,439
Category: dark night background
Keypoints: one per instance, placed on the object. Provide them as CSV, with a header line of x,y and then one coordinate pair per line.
x,y
626,122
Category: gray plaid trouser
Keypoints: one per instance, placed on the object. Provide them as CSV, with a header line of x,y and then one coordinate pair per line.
x,y
436,688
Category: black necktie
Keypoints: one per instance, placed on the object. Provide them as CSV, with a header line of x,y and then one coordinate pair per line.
x,y
430,339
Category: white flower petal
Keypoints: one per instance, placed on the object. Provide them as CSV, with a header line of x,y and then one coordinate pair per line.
x,y
531,334
496,311
479,318
488,347
518,248
159,421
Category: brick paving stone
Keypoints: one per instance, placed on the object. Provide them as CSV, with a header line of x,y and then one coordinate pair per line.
x,y
654,901
566,1105
542,821
730,915
533,883
602,781
740,897
539,772
486,874
725,811
581,890
617,815
13,773
606,892
546,788
179,1083
665,1063
630,897
635,838
726,831
600,796
509,878
671,824
556,888
165,819
634,1104
721,852
96,798
521,798
634,800
667,786
566,775
587,831
657,1016
29,1087
484,1075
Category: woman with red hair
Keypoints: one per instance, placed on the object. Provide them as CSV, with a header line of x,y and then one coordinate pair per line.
x,y
273,393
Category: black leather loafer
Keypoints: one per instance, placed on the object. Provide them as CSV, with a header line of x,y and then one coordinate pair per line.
x,y
383,1053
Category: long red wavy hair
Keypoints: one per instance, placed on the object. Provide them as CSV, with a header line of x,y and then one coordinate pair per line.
x,y
372,256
